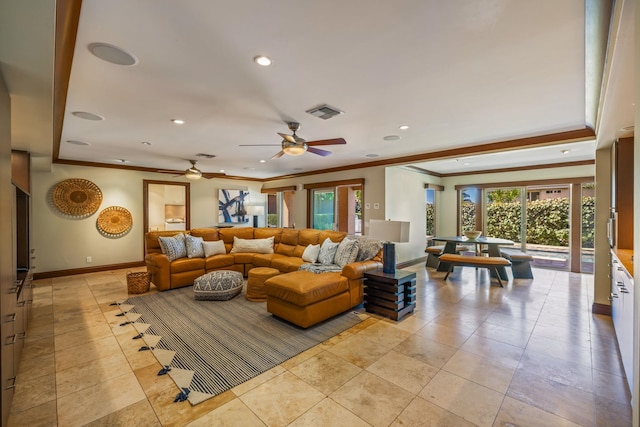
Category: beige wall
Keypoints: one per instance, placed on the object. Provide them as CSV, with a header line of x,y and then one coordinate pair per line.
x,y
64,243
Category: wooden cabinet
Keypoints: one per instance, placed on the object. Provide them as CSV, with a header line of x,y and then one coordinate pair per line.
x,y
622,191
622,290
17,292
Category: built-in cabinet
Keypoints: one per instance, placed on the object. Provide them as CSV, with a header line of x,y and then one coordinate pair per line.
x,y
621,230
17,296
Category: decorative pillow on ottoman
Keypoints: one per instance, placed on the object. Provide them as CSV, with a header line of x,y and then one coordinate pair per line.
x,y
219,285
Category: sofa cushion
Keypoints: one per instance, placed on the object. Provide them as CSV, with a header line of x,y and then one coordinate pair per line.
x,y
286,264
327,252
311,253
217,262
265,260
173,247
214,248
227,235
207,234
346,253
303,287
243,258
194,246
185,264
256,246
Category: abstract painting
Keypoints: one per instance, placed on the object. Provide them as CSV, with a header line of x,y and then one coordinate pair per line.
x,y
231,206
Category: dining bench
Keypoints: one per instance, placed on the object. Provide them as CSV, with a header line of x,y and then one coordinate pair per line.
x,y
490,262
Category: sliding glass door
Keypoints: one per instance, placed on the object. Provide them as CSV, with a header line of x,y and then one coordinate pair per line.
x,y
324,209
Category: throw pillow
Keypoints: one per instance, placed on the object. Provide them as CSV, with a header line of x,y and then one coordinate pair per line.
x,y
346,253
327,252
194,246
311,253
368,248
259,246
320,268
212,248
173,247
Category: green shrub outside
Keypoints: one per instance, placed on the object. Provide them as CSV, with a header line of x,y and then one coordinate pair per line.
x,y
548,221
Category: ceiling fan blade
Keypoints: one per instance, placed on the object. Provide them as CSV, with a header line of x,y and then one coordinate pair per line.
x,y
169,171
334,141
210,175
318,151
278,155
287,137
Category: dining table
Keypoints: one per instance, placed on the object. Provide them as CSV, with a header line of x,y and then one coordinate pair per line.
x,y
493,249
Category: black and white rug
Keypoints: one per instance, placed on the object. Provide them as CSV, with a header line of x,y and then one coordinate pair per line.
x,y
213,346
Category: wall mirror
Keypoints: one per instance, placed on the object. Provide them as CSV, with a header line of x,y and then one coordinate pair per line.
x,y
166,205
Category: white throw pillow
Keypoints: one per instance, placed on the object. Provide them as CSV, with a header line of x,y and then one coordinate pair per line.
x,y
327,251
311,253
259,246
215,247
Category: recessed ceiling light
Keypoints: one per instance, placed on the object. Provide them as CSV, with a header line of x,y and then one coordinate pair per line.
x,y
466,163
178,121
145,143
404,127
262,161
391,138
565,151
77,142
87,116
372,155
221,170
113,54
265,61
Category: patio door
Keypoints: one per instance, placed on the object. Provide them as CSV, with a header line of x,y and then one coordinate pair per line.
x,y
324,209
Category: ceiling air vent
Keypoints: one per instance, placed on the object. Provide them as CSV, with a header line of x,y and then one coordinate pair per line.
x,y
207,156
325,111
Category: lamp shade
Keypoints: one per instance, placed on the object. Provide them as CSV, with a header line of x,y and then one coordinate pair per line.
x,y
389,231
255,210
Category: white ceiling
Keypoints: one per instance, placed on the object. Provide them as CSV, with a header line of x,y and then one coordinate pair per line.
x,y
458,73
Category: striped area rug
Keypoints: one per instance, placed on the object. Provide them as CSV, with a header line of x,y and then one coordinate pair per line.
x,y
213,346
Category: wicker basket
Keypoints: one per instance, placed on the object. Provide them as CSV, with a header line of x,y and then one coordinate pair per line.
x,y
138,283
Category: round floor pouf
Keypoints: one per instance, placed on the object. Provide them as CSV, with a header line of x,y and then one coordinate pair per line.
x,y
219,285
255,283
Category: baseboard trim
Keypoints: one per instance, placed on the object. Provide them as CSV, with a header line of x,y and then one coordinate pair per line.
x,y
597,308
404,264
74,271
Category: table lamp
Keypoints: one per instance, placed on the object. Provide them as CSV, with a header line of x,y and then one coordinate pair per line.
x,y
255,211
389,232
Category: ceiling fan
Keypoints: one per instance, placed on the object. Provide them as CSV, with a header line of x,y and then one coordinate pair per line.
x,y
293,145
193,172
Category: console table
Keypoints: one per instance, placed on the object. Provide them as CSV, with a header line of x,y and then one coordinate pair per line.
x,y
392,295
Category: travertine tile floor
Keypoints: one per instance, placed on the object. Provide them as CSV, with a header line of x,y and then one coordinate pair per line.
x,y
531,354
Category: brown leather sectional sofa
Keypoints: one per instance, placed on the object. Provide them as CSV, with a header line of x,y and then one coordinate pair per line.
x,y
301,297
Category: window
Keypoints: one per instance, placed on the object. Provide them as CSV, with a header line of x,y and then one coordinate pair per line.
x,y
280,206
336,205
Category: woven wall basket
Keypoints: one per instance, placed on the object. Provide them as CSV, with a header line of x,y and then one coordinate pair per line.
x,y
114,221
76,197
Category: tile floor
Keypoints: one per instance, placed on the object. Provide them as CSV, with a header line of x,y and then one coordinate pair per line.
x,y
531,354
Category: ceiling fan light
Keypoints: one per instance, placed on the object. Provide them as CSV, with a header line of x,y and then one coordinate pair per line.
x,y
294,150
193,173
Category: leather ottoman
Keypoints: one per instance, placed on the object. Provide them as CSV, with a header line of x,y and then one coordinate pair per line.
x,y
255,282
305,298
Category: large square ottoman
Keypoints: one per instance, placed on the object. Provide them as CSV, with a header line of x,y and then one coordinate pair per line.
x,y
305,298
218,285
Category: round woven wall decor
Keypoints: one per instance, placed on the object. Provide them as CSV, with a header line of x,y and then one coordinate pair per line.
x,y
114,221
76,197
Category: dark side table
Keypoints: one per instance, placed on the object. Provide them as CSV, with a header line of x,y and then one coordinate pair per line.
x,y
392,295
